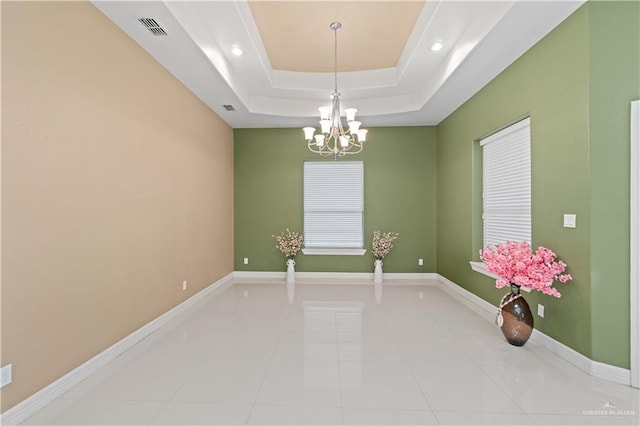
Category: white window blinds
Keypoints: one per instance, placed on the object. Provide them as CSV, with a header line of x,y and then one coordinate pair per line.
x,y
333,204
506,183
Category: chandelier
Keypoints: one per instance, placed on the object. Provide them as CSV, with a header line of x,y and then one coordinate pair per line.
x,y
333,139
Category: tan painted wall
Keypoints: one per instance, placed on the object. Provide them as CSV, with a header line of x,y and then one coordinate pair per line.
x,y
117,185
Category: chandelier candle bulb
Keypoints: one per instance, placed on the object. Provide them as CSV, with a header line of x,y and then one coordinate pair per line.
x,y
325,112
308,133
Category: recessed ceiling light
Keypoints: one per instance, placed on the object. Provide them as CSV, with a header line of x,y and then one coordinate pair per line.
x,y
437,46
236,51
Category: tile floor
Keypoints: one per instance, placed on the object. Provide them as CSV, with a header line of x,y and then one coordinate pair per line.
x,y
259,353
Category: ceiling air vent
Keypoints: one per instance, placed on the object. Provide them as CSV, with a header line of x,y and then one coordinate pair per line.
x,y
229,107
153,26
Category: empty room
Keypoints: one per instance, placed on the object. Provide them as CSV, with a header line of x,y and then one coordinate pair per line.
x,y
320,212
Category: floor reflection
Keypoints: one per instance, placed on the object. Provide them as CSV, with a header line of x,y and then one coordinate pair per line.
x,y
333,332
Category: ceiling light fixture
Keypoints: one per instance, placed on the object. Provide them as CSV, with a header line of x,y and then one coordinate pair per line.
x,y
333,139
437,45
236,51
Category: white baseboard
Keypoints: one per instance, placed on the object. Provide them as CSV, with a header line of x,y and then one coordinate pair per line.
x,y
38,400
334,277
563,351
329,277
478,304
589,366
259,275
611,372
411,278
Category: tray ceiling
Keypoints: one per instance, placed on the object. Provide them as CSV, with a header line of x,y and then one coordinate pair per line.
x,y
387,68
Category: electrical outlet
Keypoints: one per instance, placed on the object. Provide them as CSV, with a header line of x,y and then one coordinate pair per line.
x,y
540,310
420,262
6,374
246,260
184,284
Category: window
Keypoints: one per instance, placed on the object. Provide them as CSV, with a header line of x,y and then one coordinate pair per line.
x,y
506,184
333,207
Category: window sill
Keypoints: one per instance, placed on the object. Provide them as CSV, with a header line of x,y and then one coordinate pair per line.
x,y
334,252
479,267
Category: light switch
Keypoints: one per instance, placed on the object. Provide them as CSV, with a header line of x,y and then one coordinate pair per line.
x,y
569,221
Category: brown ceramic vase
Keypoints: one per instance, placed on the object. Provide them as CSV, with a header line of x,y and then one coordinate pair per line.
x,y
517,323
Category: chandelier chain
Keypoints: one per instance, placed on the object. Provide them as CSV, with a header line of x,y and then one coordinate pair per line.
x,y
335,60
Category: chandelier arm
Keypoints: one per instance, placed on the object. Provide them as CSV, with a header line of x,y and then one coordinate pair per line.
x,y
322,151
359,150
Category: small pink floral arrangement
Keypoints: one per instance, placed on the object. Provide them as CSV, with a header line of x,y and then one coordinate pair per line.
x,y
382,245
515,263
289,243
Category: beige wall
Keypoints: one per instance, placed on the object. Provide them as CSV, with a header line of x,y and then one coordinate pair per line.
x,y
117,185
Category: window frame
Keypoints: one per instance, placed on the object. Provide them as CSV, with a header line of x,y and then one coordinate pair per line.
x,y
329,186
478,189
507,174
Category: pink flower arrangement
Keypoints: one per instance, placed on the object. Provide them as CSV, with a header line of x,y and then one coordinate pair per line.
x,y
515,263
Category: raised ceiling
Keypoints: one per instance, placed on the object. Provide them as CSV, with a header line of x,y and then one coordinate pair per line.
x,y
312,48
387,69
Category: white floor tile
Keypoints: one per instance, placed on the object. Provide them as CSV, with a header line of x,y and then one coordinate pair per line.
x,y
100,412
305,292
432,349
251,344
49,411
581,420
542,389
380,385
303,383
224,381
196,413
472,419
292,415
184,342
623,398
334,355
462,387
371,349
359,416
138,379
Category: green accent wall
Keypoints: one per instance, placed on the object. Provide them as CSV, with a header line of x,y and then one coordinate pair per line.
x,y
576,85
614,64
399,195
